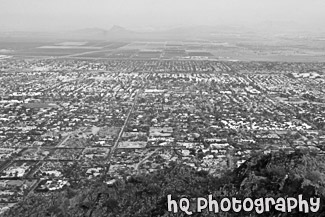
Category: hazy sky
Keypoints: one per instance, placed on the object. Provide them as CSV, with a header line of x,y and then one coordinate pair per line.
x,y
138,14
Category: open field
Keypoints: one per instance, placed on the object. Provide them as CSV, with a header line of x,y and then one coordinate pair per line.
x,y
225,48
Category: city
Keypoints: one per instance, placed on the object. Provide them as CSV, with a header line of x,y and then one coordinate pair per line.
x,y
65,120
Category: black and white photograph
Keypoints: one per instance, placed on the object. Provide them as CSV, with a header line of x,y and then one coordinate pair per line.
x,y
162,108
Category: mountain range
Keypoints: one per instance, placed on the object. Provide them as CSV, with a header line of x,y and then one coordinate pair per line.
x,y
200,32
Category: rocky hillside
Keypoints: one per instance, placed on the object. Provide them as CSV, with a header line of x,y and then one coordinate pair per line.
x,y
274,175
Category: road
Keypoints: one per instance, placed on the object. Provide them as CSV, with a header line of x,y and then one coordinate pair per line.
x,y
64,141
144,159
112,151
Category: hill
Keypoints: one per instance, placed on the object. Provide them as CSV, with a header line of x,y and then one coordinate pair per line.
x,y
275,175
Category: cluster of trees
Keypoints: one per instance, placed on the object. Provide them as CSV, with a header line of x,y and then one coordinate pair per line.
x,y
274,175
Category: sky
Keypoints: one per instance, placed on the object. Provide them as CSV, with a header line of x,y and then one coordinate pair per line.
x,y
53,15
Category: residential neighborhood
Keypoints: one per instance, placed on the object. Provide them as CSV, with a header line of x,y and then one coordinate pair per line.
x,y
66,120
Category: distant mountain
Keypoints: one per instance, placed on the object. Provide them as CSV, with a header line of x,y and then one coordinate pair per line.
x,y
119,29
200,32
179,33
